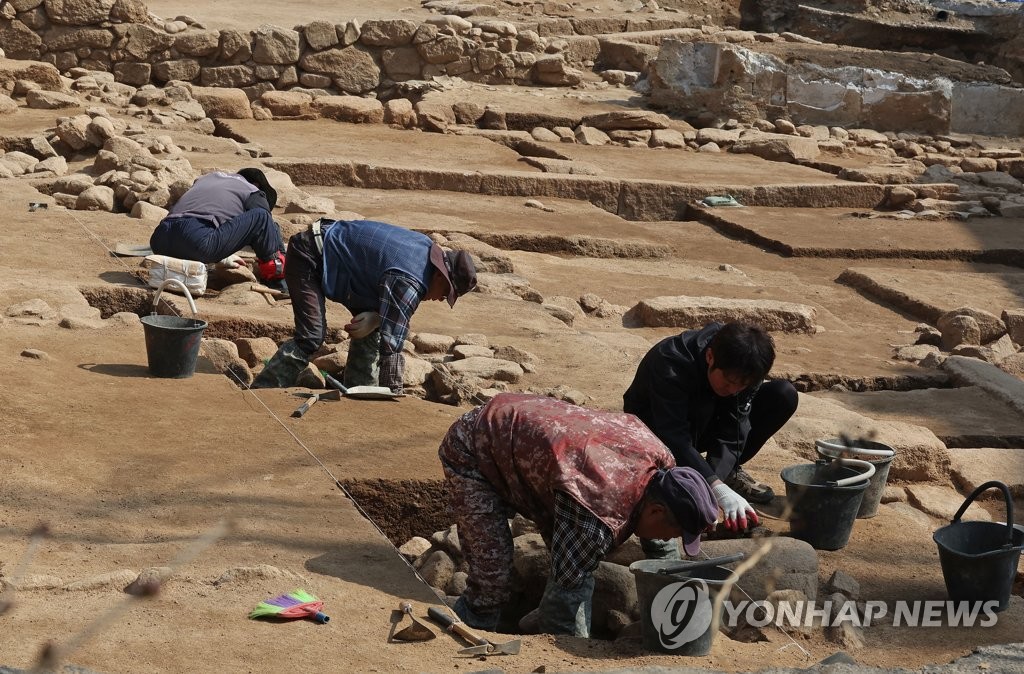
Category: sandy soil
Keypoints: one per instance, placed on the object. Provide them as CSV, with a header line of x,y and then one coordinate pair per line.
x,y
128,470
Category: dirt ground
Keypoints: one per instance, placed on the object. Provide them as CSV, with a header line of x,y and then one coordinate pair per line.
x,y
130,472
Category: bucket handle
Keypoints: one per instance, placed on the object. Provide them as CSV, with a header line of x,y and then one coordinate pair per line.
x,y
1006,497
867,466
835,450
181,286
702,563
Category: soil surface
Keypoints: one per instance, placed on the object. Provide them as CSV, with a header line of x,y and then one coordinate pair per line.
x,y
130,472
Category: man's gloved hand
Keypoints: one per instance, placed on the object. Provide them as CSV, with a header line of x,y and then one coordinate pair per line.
x,y
737,511
363,324
232,262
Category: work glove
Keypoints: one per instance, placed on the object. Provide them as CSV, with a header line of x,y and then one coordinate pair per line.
x,y
737,510
362,325
232,262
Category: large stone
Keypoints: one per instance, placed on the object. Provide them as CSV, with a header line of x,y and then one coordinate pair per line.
x,y
184,70
352,109
444,49
275,45
416,371
142,41
487,368
588,135
614,590
401,63
414,547
320,35
287,103
627,119
51,100
223,103
778,147
692,312
96,198
1000,180
959,330
129,11
78,12
509,286
943,502
1013,319
147,211
973,372
973,467
60,38
920,456
438,569
387,32
790,564
352,68
991,326
531,559
19,41
235,46
426,342
227,76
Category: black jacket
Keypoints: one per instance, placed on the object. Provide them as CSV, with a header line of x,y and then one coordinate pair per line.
x,y
671,394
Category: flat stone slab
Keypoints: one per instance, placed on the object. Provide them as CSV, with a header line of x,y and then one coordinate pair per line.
x,y
679,166
973,467
839,232
692,312
927,294
974,372
961,417
943,502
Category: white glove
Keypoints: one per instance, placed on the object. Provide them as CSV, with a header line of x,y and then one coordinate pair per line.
x,y
363,324
737,510
232,262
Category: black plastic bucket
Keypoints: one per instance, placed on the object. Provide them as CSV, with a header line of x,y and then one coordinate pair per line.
x,y
172,342
979,559
873,494
172,345
676,608
822,512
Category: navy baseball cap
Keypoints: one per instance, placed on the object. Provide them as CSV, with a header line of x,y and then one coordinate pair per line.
x,y
689,497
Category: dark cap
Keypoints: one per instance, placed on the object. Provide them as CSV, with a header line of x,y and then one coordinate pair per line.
x,y
689,497
258,179
457,268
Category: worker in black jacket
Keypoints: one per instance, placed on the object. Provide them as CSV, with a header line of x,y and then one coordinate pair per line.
x,y
703,394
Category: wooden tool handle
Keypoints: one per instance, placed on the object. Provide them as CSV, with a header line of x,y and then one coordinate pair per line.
x,y
305,407
463,631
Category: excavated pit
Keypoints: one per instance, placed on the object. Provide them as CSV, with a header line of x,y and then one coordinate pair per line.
x,y
402,509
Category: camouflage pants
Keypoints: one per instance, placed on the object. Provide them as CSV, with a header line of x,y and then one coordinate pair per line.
x,y
482,518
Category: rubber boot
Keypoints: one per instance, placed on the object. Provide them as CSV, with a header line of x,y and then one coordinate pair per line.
x,y
283,369
363,364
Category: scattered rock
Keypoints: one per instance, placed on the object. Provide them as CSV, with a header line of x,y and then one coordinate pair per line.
x,y
35,354
414,547
487,368
311,378
255,350
457,585
36,308
149,581
959,329
426,342
989,325
438,569
791,564
843,583
448,540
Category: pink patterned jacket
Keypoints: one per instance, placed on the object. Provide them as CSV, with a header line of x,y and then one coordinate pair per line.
x,y
530,446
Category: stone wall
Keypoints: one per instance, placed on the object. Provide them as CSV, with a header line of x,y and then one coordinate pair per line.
x,y
702,79
122,37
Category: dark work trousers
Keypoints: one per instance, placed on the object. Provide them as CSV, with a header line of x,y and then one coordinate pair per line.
x,y
197,239
303,271
772,406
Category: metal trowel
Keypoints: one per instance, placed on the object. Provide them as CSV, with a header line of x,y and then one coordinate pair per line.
x,y
415,631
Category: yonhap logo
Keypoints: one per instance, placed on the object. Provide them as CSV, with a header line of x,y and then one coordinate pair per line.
x,y
681,612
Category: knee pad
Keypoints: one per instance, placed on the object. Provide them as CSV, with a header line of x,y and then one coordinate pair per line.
x,y
272,269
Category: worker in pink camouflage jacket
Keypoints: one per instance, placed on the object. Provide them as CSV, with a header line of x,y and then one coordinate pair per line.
x,y
588,479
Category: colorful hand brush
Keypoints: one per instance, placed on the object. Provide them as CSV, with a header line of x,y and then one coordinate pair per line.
x,y
295,604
